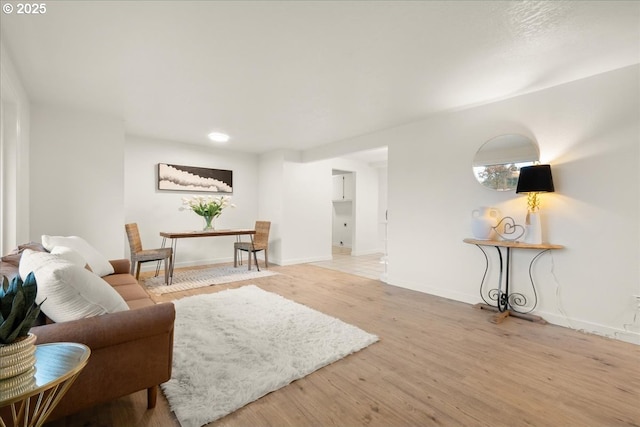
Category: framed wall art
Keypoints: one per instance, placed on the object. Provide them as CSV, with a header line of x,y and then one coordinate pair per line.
x,y
194,179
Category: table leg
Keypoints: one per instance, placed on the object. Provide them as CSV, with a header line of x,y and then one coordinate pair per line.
x,y
503,297
484,276
164,240
255,254
172,259
237,261
505,300
34,410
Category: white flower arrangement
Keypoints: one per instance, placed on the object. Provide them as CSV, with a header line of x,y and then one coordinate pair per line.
x,y
207,206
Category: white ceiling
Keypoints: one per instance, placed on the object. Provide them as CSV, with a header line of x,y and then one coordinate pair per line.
x,y
299,74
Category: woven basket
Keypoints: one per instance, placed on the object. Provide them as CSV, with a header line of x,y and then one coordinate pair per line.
x,y
18,357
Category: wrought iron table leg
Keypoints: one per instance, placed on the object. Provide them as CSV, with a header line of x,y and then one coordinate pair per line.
x,y
506,300
503,297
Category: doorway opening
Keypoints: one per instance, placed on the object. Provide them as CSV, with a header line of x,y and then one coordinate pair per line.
x,y
343,195
359,209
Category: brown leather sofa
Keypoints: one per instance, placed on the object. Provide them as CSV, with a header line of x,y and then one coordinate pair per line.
x,y
130,350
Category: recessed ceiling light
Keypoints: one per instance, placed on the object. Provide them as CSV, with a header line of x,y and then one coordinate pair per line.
x,y
218,137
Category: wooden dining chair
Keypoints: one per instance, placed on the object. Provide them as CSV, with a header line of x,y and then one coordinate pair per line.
x,y
139,255
260,242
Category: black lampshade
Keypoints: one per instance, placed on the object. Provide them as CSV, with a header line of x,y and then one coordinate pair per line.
x,y
535,179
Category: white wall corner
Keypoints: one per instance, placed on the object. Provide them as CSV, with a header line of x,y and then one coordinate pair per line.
x,y
14,155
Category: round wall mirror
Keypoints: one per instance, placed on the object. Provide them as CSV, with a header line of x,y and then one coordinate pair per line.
x,y
497,163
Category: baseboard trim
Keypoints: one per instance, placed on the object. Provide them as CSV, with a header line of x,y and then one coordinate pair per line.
x,y
368,252
294,261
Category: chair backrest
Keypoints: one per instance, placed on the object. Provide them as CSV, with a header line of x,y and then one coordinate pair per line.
x,y
261,238
135,244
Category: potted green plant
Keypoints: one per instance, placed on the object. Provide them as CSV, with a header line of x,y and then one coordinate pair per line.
x,y
18,312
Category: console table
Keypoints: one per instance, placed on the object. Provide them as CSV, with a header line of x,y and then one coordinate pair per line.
x,y
509,303
33,396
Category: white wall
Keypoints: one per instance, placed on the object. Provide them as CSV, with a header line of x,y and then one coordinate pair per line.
x,y
382,206
296,197
306,223
270,199
14,156
155,211
76,177
588,131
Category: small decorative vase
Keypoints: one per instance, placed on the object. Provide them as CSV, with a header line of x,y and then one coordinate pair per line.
x,y
483,220
208,222
18,357
534,228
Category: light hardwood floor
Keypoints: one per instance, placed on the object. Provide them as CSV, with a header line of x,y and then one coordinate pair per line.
x,y
438,363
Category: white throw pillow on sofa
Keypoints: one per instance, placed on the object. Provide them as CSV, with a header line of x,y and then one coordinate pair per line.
x,y
70,255
98,263
69,292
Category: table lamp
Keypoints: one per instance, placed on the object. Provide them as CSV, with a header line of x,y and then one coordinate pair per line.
x,y
533,180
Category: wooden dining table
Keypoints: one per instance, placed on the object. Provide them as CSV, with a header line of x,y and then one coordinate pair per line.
x,y
175,236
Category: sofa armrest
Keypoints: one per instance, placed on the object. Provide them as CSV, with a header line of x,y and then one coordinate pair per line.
x,y
130,351
121,266
110,329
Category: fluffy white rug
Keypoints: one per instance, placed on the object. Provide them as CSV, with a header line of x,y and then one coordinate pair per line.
x,y
199,278
234,346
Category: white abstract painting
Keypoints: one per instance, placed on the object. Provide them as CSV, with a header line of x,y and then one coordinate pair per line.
x,y
191,178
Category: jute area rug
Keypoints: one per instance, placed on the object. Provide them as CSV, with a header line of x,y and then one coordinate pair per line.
x,y
234,346
199,278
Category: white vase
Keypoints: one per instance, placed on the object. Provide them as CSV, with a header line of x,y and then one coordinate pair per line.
x,y
534,228
483,219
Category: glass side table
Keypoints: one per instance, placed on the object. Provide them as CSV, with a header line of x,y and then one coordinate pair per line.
x,y
31,399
